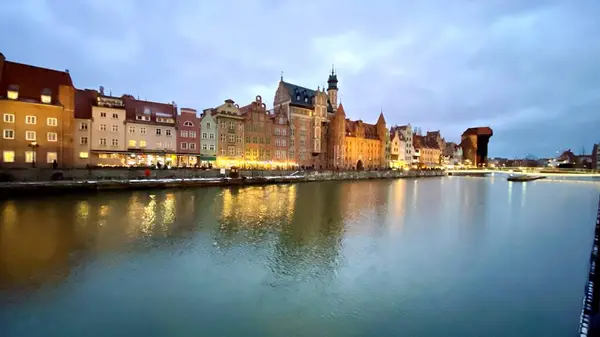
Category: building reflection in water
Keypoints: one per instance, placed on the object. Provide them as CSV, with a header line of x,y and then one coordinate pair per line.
x,y
473,211
397,210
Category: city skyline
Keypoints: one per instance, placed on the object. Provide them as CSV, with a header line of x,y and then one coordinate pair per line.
x,y
431,69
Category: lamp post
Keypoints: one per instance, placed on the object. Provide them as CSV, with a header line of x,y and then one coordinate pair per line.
x,y
34,145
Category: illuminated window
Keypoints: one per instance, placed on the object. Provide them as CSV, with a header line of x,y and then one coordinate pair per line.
x,y
13,91
29,135
8,156
8,134
51,157
239,152
29,156
46,96
9,118
52,137
142,143
83,155
131,143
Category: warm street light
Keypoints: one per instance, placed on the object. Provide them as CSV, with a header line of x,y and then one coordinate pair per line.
x,y
34,145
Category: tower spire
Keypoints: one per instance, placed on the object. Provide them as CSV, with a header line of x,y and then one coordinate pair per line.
x,y
282,76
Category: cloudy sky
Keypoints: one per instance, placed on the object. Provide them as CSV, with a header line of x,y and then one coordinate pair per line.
x,y
529,69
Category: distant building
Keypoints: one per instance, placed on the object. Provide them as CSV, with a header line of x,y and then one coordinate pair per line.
x,y
230,134
398,153
474,142
595,156
208,139
37,107
258,135
428,152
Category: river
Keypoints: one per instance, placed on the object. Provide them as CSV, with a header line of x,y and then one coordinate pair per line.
x,y
454,256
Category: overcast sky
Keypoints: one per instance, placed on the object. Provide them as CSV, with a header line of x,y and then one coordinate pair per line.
x,y
529,69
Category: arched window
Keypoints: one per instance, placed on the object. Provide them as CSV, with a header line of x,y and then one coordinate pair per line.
x,y
188,123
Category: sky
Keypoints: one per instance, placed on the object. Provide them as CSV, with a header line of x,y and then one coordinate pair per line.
x,y
528,69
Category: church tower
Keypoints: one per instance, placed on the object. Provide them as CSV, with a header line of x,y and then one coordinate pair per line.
x,y
332,89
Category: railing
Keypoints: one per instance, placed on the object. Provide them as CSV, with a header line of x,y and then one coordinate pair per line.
x,y
592,292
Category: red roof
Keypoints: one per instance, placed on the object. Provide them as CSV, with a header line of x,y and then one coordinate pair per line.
x,y
32,80
84,99
135,107
479,131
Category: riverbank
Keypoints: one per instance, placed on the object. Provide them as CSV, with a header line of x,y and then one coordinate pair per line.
x,y
39,188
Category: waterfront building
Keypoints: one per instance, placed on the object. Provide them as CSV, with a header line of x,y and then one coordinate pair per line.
x,y
208,138
409,152
107,131
151,134
453,153
188,138
281,140
82,128
474,142
398,149
230,134
258,131
427,151
37,113
307,111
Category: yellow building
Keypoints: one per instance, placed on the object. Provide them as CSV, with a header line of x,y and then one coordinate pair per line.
x,y
429,153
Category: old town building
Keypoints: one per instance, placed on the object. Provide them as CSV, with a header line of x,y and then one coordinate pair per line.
x,y
307,110
82,127
258,131
453,154
37,108
230,134
208,138
151,135
281,139
409,151
188,138
427,151
107,142
398,149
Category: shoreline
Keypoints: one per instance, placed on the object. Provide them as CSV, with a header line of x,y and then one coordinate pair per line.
x,y
64,187
591,298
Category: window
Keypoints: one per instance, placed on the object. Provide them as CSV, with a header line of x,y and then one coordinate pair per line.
x,y
115,128
52,137
83,140
231,150
102,127
29,156
115,142
131,143
8,134
223,151
277,142
30,135
102,141
255,140
223,137
115,116
192,146
51,121
168,133
211,147
83,126
142,143
208,125
103,114
211,135
142,118
30,119
231,126
51,157
268,140
8,156
9,118
184,146
192,134
277,132
168,145
13,92
158,145
158,132
204,135
143,131
188,123
232,138
239,152
184,133
83,155
239,139
132,130
204,146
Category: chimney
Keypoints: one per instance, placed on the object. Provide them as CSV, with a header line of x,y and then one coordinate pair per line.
x,y
102,90
67,71
2,59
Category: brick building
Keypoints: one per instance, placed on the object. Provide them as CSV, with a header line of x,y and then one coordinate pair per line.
x,y
37,108
230,134
258,132
188,138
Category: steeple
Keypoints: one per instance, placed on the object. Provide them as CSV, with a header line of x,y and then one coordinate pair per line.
x,y
381,120
333,81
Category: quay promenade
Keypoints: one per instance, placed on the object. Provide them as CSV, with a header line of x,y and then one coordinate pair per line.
x,y
137,179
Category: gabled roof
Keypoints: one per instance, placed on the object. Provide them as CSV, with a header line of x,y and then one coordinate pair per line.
x,y
135,107
33,80
300,96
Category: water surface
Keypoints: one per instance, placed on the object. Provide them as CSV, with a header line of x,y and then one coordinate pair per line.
x,y
453,256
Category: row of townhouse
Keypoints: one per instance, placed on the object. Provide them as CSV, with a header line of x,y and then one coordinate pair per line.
x,y
47,122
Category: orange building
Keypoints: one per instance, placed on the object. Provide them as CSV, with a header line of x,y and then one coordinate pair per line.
x,y
258,128
37,108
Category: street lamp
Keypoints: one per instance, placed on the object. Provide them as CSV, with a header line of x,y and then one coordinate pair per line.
x,y
34,145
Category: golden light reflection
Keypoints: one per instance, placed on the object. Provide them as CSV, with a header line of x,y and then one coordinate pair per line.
x,y
148,216
82,210
398,201
9,216
523,193
168,209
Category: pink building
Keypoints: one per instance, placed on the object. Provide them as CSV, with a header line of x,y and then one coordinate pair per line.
x,y
188,138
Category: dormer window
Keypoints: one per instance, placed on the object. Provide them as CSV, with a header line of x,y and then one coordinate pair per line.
x,y
13,91
306,99
46,96
297,97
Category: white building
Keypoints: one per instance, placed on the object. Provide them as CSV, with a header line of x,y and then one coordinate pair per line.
x,y
208,138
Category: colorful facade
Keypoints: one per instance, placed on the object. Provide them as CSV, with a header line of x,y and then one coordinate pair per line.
x,y
188,138
258,131
230,135
208,138
37,115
